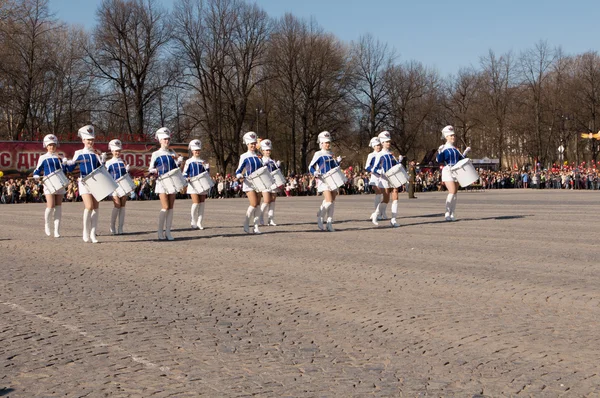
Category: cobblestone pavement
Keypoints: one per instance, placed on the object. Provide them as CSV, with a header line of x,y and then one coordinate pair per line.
x,y
503,302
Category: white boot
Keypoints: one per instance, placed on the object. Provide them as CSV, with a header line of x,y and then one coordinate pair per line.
x,y
271,214
256,217
377,214
394,214
330,217
194,215
261,215
48,220
249,213
327,215
449,200
320,216
121,220
200,215
168,224
86,225
113,220
453,207
57,219
378,198
94,222
161,224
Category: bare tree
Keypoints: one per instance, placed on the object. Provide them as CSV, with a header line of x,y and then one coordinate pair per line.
x,y
462,93
129,55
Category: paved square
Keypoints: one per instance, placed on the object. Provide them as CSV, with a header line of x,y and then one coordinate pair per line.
x,y
504,301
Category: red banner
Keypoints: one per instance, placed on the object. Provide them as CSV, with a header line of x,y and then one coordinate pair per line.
x,y
18,159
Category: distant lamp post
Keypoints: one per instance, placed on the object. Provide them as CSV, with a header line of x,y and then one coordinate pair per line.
x,y
259,112
561,150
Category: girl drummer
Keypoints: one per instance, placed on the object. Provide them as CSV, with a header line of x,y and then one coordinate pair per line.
x,y
321,163
117,168
383,162
88,160
267,208
449,155
49,163
163,161
249,163
195,166
374,180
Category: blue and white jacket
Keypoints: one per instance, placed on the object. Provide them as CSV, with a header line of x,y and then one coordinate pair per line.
x,y
116,167
384,161
323,162
270,163
163,161
249,163
48,163
194,166
449,155
88,161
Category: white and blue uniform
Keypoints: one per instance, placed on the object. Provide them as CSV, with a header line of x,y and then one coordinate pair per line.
x,y
194,166
48,163
323,162
88,161
163,161
271,166
117,169
384,161
369,166
249,163
449,156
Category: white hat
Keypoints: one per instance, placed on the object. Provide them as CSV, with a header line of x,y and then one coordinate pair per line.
x,y
250,137
87,132
324,136
50,139
115,145
374,142
162,133
266,144
195,145
446,131
384,136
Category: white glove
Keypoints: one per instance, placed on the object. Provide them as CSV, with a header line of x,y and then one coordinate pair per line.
x,y
317,173
103,157
441,148
65,161
400,157
338,159
239,175
379,171
278,163
152,170
179,160
206,165
127,168
467,150
69,162
36,177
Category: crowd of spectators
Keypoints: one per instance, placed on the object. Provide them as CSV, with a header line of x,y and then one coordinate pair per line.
x,y
427,179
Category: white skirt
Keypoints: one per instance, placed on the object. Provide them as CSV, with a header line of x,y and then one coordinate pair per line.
x,y
61,191
192,190
83,189
322,186
374,181
447,175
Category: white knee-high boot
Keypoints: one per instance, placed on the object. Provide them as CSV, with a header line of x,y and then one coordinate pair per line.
x,y
453,207
377,202
200,215
256,217
86,225
249,214
394,213
161,224
121,220
327,210
378,212
57,219
48,219
113,220
320,215
194,215
168,224
271,214
94,224
264,208
449,200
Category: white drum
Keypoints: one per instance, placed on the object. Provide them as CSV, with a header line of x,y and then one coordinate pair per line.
x,y
54,182
465,172
126,185
334,178
261,179
202,182
278,178
173,181
397,176
100,183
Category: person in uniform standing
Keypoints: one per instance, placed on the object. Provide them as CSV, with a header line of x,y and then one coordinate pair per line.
x,y
47,164
195,166
117,169
267,208
249,163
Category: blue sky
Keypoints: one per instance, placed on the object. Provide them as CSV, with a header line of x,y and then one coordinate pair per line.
x,y
441,34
